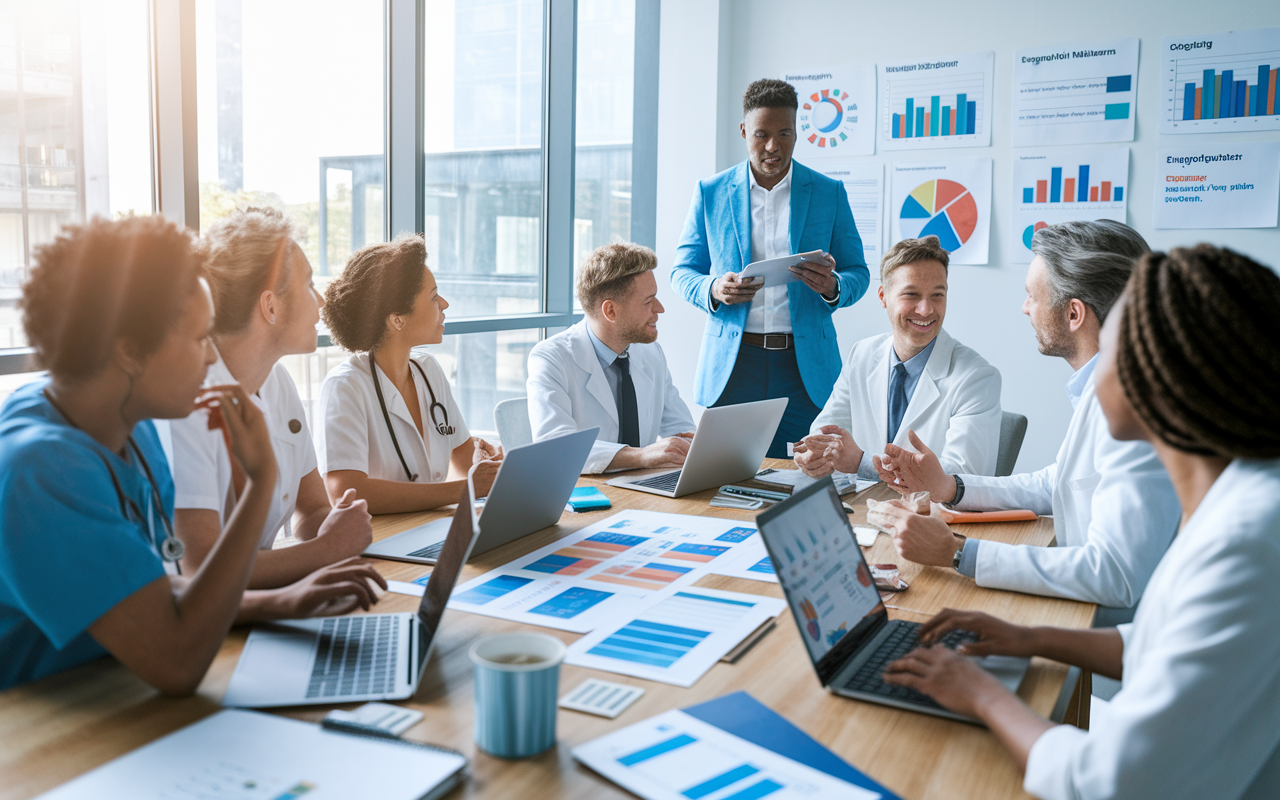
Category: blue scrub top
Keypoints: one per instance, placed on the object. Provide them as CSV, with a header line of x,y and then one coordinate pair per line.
x,y
68,551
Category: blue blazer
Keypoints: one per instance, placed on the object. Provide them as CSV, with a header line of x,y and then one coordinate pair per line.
x,y
717,239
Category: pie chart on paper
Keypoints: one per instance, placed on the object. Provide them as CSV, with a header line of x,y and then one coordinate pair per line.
x,y
941,208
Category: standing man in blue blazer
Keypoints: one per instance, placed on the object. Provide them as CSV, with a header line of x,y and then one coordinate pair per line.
x,y
777,341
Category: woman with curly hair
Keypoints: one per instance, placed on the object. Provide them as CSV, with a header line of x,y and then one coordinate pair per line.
x,y
1191,364
390,428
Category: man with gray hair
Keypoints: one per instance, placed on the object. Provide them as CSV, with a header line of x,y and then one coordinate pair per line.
x,y
1114,509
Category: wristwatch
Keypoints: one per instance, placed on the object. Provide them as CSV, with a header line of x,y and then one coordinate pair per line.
x,y
955,501
955,560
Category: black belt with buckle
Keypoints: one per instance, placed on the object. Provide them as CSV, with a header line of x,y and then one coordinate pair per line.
x,y
770,341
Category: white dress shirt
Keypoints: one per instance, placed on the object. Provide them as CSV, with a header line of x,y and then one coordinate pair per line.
x,y
1198,714
953,405
202,466
569,390
354,435
770,238
1114,514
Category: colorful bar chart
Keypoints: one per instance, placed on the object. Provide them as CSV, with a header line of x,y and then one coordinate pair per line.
x,y
671,629
492,590
957,118
653,575
1227,93
570,603
1058,189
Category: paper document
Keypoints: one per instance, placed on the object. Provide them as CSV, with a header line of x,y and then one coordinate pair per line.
x,y
675,756
777,271
1078,93
751,562
601,573
677,636
244,755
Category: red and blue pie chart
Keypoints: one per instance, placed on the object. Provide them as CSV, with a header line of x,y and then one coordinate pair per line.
x,y
1030,232
941,208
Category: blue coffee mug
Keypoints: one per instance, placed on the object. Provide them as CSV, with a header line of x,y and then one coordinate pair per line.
x,y
517,686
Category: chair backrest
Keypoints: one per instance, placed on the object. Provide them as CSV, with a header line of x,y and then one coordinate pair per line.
x,y
1013,427
511,417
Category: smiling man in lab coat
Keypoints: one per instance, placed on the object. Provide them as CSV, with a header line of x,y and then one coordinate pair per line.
x,y
915,381
1114,509
609,371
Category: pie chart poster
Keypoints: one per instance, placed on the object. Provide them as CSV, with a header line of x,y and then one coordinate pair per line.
x,y
947,199
837,113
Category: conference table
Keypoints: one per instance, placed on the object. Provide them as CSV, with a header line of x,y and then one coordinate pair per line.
x,y
57,728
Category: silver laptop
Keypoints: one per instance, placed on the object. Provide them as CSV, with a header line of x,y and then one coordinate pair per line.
x,y
841,618
357,657
529,493
728,446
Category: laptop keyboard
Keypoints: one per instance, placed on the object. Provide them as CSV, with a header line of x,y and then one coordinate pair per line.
x,y
903,638
431,551
356,656
665,482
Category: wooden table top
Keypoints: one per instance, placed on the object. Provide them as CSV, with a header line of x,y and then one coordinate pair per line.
x,y
62,726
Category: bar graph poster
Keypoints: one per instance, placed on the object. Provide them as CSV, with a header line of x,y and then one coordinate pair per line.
x,y
947,199
1231,185
837,114
1220,82
936,102
1075,94
864,185
1052,186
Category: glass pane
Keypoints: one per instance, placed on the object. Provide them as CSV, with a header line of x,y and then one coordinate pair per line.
x,y
291,115
483,136
75,126
483,369
606,75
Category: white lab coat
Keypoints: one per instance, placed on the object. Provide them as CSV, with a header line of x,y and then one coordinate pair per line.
x,y
201,464
1198,714
955,408
569,392
353,433
1114,514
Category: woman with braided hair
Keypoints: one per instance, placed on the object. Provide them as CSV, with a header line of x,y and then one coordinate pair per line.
x,y
1191,364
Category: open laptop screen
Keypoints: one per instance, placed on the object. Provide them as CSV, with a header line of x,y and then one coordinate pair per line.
x,y
456,551
822,571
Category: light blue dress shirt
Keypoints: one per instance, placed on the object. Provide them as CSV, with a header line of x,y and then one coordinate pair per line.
x,y
607,358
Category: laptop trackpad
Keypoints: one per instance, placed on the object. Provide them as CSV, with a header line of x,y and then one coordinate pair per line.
x,y
1009,670
273,668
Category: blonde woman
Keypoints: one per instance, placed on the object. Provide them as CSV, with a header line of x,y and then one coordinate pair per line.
x,y
265,308
391,429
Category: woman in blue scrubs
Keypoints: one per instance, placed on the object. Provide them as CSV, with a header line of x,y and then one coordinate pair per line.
x,y
119,316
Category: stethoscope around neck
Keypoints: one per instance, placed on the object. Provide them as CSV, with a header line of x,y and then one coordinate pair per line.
x,y
435,409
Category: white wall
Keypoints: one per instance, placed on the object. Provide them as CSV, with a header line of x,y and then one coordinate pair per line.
x,y
714,48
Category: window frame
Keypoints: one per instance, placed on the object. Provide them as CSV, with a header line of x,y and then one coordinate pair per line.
x,y
175,163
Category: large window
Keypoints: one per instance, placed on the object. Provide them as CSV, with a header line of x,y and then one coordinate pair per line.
x,y
75,126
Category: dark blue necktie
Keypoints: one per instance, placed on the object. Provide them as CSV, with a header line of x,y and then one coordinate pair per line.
x,y
897,399
628,415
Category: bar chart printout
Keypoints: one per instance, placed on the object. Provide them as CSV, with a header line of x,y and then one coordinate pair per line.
x,y
675,756
1078,93
936,102
1052,186
677,637
1222,82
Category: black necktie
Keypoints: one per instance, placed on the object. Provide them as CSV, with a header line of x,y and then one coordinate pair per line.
x,y
897,399
628,416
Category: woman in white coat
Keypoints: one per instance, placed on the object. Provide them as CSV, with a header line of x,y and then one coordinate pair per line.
x,y
390,428
1191,364
914,387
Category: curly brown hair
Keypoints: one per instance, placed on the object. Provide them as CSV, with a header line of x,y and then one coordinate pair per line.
x,y
378,280
106,281
769,93
1199,351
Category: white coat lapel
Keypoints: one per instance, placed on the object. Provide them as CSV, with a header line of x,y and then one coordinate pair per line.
x,y
584,355
927,392
878,391
645,380
395,401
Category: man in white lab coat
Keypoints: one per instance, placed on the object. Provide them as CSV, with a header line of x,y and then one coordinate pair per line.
x,y
914,380
1114,509
609,371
